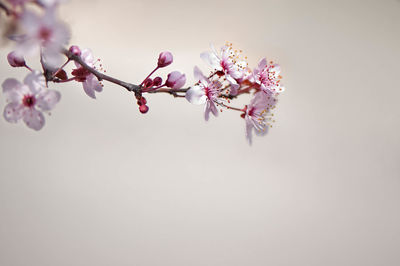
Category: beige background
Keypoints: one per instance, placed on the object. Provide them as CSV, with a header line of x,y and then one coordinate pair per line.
x,y
102,184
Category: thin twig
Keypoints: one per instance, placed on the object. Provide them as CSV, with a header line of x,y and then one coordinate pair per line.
x,y
100,76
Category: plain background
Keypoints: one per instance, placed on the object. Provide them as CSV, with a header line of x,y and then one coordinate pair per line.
x,y
102,184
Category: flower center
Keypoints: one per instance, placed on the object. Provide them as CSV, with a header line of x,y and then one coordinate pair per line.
x,y
29,101
45,34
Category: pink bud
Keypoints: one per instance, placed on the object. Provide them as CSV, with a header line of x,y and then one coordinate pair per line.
x,y
143,108
75,50
164,59
157,81
15,60
175,80
148,83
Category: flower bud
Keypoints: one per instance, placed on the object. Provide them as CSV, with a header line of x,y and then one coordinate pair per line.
x,y
164,59
175,80
75,50
157,81
143,109
15,60
148,83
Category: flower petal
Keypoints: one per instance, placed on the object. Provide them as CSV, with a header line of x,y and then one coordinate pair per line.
x,y
47,100
34,119
249,128
207,111
35,81
10,84
213,108
211,59
198,75
13,112
262,64
196,95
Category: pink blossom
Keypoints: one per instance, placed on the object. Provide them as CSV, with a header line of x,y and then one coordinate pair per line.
x,y
267,76
205,92
224,62
165,59
89,81
175,80
258,114
25,98
15,60
45,34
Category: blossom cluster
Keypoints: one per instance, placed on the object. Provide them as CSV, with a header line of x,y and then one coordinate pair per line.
x,y
45,35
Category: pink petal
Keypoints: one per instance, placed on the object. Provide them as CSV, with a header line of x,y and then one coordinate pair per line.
x,y
13,112
196,95
211,59
34,119
35,81
48,100
198,75
249,128
88,88
13,90
214,109
207,111
10,84
262,64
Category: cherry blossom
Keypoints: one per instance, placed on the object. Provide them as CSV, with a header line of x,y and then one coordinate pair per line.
x,y
89,81
44,34
205,92
224,62
24,100
258,114
267,76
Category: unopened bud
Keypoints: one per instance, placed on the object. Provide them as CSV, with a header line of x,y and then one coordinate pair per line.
x,y
148,83
157,81
164,59
143,109
175,80
75,50
15,60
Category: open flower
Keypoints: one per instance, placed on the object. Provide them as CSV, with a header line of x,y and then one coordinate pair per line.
x,y
258,114
267,76
89,81
43,33
224,62
26,98
205,92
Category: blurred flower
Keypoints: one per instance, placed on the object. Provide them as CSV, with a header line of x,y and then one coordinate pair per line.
x,y
15,60
25,98
44,34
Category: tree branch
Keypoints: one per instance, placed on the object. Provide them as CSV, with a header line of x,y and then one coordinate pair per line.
x,y
100,76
